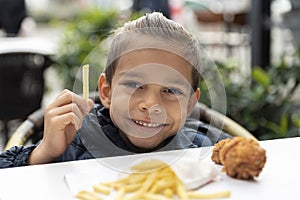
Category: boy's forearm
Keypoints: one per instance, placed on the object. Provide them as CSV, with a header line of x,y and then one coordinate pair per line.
x,y
39,156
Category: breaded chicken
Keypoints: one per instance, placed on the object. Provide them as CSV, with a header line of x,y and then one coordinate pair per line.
x,y
242,158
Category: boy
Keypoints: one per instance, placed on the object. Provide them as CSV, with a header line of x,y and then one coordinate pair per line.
x,y
147,91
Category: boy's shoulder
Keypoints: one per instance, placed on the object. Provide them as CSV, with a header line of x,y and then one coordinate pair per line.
x,y
193,138
204,129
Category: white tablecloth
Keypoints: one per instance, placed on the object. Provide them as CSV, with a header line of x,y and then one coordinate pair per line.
x,y
278,180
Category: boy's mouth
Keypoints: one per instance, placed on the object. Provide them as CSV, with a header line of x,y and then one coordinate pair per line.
x,y
146,124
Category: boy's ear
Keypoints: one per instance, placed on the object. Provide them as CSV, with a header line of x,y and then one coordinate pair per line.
x,y
193,100
104,91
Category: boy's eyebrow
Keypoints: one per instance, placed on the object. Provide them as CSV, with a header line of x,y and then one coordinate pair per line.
x,y
129,74
181,82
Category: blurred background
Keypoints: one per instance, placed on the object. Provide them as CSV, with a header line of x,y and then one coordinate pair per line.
x,y
255,44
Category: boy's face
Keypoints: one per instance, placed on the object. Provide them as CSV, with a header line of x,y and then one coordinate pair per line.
x,y
150,96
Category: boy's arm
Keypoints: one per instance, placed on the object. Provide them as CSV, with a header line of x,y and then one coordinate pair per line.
x,y
16,156
63,118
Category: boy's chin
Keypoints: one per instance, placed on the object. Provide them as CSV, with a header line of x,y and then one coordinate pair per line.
x,y
144,143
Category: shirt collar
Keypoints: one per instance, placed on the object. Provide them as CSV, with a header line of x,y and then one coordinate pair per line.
x,y
183,139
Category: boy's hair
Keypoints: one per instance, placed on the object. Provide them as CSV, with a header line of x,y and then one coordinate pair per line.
x,y
159,33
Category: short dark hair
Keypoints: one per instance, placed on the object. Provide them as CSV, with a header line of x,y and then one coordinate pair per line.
x,y
163,33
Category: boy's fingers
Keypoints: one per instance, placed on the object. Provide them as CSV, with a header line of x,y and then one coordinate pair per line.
x,y
90,104
84,106
67,97
64,110
67,119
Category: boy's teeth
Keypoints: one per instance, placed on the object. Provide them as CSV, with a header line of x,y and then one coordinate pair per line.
x,y
147,124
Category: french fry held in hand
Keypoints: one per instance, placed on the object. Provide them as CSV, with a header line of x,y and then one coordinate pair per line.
x,y
151,180
85,81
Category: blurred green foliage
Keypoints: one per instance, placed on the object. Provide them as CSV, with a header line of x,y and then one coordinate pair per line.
x,y
79,44
266,103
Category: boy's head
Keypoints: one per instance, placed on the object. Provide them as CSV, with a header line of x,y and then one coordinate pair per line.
x,y
150,84
154,31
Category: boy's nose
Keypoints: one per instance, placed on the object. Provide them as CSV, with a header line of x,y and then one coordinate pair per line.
x,y
150,103
155,109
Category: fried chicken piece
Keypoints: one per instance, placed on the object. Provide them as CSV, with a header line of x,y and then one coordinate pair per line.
x,y
216,150
242,158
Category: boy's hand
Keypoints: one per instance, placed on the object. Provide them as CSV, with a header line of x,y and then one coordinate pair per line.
x,y
63,118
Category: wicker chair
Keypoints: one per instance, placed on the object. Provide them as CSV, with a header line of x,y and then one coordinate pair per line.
x,y
22,66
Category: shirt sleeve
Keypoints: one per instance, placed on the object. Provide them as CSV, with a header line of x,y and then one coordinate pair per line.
x,y
213,133
16,156
75,151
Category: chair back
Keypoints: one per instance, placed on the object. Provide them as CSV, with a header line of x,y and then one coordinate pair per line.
x,y
21,83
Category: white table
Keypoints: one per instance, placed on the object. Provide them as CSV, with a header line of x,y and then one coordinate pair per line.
x,y
278,180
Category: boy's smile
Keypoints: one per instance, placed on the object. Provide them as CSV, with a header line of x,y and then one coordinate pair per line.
x,y
150,96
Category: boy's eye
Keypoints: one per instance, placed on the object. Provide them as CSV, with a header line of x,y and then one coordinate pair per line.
x,y
133,84
174,91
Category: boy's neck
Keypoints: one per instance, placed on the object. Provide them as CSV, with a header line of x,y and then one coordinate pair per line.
x,y
136,149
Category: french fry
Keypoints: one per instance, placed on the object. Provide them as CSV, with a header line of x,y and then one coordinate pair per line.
x,y
148,165
85,81
160,184
151,196
145,187
149,181
87,195
101,188
132,187
120,194
197,195
137,178
117,182
168,193
181,191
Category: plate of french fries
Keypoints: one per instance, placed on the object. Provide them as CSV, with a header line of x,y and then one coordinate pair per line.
x,y
148,178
